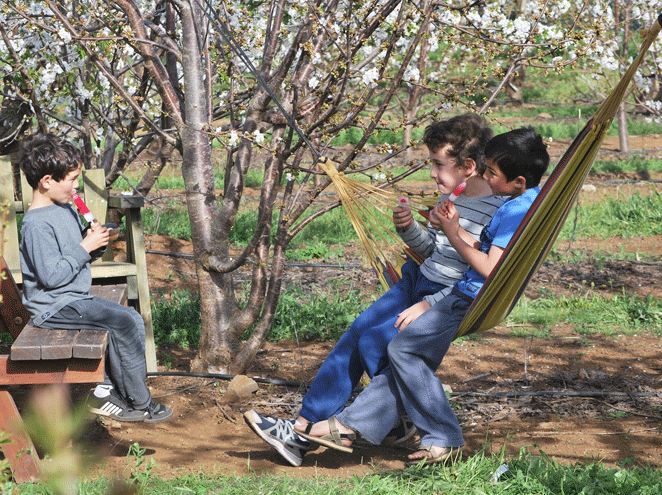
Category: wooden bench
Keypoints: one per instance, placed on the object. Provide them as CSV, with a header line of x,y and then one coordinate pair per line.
x,y
39,357
132,272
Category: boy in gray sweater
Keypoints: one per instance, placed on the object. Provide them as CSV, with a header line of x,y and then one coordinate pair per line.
x,y
56,251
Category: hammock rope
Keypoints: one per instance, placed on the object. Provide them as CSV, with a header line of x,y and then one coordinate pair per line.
x,y
367,207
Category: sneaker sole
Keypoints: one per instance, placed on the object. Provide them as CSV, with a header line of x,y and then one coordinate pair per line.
x,y
112,413
251,419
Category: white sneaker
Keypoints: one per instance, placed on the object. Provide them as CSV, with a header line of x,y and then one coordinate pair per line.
x,y
280,434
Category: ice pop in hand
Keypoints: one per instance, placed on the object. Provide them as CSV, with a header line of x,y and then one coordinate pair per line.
x,y
457,192
403,201
82,207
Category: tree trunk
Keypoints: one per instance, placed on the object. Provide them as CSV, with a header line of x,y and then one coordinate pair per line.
x,y
623,135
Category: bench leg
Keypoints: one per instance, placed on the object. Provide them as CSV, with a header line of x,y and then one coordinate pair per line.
x,y
20,452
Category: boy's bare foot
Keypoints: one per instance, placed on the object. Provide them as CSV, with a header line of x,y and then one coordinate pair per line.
x,y
432,454
330,433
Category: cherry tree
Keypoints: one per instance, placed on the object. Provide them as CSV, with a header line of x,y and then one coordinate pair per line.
x,y
272,83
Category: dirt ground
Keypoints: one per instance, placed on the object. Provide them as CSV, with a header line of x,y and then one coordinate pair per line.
x,y
505,388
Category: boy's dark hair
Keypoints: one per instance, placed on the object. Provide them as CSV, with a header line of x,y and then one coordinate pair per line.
x,y
520,152
467,134
47,154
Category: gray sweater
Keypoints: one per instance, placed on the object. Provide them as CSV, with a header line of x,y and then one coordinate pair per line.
x,y
442,263
55,267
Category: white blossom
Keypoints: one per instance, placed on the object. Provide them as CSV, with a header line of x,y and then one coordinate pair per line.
x,y
234,138
258,136
370,77
313,82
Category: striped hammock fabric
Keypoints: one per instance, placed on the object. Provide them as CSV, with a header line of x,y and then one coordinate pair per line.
x,y
541,226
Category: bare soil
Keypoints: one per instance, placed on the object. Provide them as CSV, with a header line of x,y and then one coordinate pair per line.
x,y
611,408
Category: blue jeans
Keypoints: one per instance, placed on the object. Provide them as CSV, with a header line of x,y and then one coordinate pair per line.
x,y
363,347
408,384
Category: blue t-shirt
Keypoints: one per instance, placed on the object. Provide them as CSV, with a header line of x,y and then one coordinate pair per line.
x,y
498,232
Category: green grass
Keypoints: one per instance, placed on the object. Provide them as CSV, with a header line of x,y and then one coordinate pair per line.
x,y
301,314
589,313
631,164
254,178
527,474
640,214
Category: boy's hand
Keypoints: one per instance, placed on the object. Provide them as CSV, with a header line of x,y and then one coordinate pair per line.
x,y
402,218
445,217
97,237
410,314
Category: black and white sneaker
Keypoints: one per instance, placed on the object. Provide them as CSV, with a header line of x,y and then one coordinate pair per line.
x,y
280,434
114,407
403,431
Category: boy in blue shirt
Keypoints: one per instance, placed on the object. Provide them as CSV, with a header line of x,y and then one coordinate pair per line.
x,y
516,162
56,251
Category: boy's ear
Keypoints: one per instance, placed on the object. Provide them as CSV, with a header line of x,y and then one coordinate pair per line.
x,y
520,182
470,166
45,181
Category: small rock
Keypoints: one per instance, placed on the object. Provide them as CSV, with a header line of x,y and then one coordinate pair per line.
x,y
589,188
544,115
241,388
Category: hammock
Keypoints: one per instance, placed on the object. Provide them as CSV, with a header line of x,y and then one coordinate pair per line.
x,y
542,224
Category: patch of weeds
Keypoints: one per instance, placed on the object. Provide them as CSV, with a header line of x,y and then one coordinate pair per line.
x,y
141,468
530,331
638,214
177,319
318,250
592,312
582,342
312,315
617,414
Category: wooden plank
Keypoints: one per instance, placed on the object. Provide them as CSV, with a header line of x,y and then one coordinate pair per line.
x,y
135,250
109,269
116,293
27,346
90,344
26,192
125,201
20,451
13,315
10,249
58,344
95,194
53,371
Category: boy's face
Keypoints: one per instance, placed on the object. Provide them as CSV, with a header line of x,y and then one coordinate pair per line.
x,y
499,184
445,172
61,191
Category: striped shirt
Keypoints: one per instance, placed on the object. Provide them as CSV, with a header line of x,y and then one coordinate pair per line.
x,y
442,263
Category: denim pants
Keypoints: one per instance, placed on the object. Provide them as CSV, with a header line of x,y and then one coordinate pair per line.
x,y
409,384
125,363
363,347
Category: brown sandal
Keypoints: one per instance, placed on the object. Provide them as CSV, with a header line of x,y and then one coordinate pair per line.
x,y
333,440
436,455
